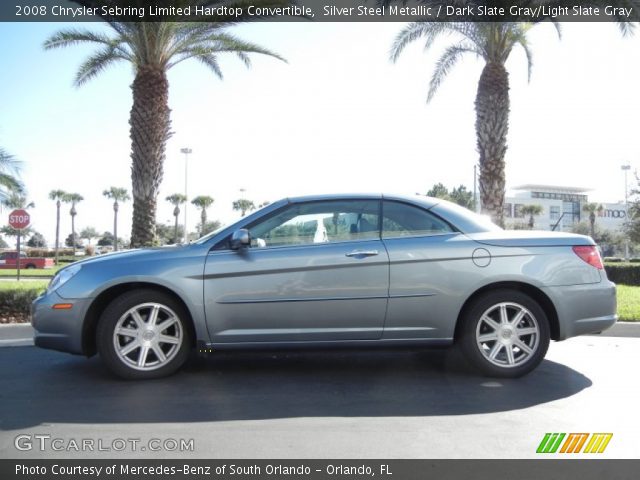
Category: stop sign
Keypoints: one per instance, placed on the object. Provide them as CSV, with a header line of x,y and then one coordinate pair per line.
x,y
19,219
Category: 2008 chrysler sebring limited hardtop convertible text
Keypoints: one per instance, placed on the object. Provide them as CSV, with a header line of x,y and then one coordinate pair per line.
x,y
346,270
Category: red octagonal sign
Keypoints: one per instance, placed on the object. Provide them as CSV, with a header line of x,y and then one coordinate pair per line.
x,y
19,219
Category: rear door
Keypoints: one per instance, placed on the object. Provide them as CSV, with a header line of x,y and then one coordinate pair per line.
x,y
429,261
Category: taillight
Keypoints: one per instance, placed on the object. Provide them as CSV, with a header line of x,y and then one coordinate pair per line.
x,y
590,255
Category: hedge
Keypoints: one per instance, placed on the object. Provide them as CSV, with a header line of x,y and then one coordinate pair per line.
x,y
43,252
18,300
623,273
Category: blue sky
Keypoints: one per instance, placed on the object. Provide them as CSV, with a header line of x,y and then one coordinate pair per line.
x,y
338,117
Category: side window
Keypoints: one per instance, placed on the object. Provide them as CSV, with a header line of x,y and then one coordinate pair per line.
x,y
400,219
318,222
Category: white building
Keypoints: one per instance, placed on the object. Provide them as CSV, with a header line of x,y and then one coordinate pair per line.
x,y
562,208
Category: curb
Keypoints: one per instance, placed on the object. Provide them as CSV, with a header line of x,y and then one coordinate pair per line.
x,y
16,335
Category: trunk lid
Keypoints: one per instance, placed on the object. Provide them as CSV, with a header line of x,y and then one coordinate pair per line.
x,y
530,238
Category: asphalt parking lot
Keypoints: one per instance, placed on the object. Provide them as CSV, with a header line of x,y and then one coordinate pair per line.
x,y
327,404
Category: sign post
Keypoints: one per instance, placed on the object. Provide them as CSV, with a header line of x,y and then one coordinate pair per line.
x,y
19,220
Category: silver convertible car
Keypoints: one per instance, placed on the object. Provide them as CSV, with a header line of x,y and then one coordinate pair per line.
x,y
338,270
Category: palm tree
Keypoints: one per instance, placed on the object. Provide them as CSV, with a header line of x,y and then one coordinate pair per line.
x,y
243,206
117,195
176,200
58,197
73,199
532,211
592,209
203,202
152,49
493,42
9,169
17,200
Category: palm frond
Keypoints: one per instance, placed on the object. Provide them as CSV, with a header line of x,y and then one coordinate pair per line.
x,y
11,183
66,38
211,62
444,65
413,32
524,43
96,64
221,43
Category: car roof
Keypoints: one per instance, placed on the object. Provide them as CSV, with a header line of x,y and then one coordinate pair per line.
x,y
426,202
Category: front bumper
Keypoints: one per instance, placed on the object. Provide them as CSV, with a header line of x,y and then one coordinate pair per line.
x,y
58,329
583,309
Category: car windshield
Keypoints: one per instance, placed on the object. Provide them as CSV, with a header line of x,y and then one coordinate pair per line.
x,y
211,234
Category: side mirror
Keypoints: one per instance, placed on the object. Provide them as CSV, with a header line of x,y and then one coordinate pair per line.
x,y
240,238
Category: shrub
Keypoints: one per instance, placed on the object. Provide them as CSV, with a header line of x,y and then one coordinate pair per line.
x,y
613,259
623,273
43,252
18,300
89,250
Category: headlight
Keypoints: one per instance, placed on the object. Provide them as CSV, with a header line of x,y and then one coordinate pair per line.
x,y
62,277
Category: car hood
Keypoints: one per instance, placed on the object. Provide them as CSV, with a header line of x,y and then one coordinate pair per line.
x,y
530,238
131,255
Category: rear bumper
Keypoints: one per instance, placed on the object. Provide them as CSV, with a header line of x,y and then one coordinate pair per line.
x,y
584,309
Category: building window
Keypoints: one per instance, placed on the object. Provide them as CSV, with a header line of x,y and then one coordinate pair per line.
x,y
554,213
508,210
517,211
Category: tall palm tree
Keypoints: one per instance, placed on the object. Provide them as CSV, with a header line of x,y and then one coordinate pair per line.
x,y
9,169
493,42
176,200
243,206
73,199
592,209
152,49
117,195
202,202
57,196
532,211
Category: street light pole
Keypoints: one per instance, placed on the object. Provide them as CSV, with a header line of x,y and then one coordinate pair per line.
x,y
625,169
187,152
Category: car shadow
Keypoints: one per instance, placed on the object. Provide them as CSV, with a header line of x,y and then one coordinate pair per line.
x,y
43,387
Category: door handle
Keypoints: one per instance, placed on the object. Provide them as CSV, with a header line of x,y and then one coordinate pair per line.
x,y
362,253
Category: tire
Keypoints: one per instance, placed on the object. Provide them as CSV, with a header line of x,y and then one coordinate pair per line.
x,y
31,266
500,349
131,348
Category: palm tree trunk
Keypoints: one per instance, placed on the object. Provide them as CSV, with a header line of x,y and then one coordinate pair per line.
x,y
203,218
115,226
57,229
150,129
175,231
492,124
73,234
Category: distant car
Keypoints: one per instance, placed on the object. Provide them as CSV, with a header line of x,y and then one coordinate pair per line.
x,y
10,260
338,270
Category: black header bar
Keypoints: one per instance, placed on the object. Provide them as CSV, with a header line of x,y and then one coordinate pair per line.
x,y
319,10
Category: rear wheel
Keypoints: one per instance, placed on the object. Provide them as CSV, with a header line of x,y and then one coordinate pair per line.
x,y
144,334
504,333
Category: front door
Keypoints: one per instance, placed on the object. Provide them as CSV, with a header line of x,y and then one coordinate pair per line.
x,y
315,271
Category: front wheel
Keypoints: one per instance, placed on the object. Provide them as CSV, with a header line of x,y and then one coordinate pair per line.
x,y
144,334
504,333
